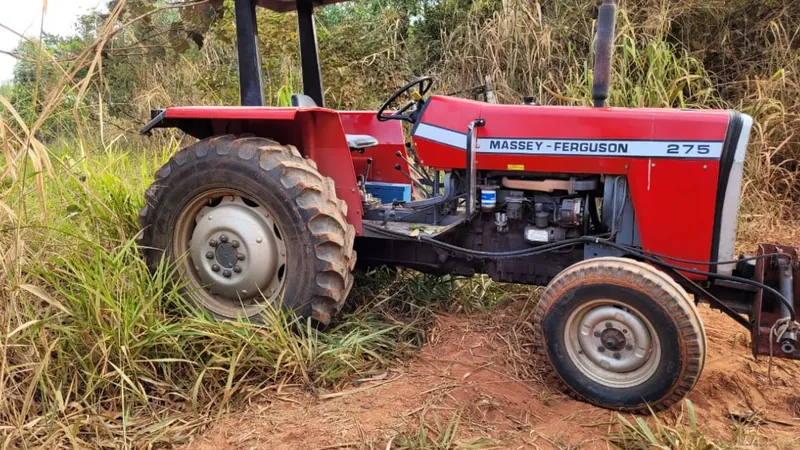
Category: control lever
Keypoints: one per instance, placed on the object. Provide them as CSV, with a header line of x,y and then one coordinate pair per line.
x,y
366,171
365,177
418,172
408,175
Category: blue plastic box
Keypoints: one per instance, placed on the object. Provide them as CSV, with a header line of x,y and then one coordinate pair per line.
x,y
389,192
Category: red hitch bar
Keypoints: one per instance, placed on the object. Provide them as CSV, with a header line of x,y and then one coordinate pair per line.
x,y
783,271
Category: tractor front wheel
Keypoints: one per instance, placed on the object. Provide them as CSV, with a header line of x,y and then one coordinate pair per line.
x,y
249,222
620,334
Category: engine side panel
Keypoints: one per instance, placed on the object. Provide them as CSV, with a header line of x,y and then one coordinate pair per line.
x,y
671,158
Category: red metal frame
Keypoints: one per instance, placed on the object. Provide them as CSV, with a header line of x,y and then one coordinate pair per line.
x,y
674,198
767,272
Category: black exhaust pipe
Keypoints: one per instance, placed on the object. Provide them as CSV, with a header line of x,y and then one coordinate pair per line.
x,y
604,46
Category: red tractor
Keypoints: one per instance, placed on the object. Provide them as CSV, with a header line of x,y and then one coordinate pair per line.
x,y
621,213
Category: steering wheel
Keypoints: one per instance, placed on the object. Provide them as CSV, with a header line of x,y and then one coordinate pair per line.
x,y
424,84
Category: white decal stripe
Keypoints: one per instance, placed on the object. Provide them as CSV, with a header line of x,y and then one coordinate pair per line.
x,y
730,207
442,136
575,147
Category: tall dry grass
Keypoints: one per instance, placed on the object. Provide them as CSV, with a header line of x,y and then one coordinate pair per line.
x,y
98,351
719,54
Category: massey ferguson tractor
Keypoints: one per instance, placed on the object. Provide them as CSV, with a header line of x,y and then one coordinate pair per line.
x,y
627,216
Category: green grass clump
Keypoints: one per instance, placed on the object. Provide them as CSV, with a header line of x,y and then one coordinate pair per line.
x,y
100,351
439,433
681,433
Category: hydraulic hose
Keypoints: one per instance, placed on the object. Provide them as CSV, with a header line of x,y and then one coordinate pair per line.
x,y
513,254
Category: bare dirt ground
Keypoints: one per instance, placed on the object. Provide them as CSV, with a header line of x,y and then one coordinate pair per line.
x,y
479,369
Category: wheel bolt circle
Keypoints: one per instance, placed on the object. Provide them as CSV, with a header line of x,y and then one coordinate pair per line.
x,y
226,273
240,256
237,269
210,255
223,239
215,267
235,244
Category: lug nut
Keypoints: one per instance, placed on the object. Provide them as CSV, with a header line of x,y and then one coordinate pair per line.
x,y
210,255
215,268
240,256
617,355
629,347
601,349
212,243
596,334
226,273
237,269
223,239
235,244
625,331
608,324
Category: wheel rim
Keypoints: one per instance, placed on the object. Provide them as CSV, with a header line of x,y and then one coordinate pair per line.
x,y
232,253
612,344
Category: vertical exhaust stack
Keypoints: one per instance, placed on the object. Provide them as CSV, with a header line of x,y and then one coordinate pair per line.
x,y
604,47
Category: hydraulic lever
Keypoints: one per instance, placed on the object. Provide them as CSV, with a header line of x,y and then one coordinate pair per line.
x,y
426,179
398,168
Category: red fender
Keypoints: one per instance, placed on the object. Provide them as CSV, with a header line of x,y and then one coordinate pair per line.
x,y
317,132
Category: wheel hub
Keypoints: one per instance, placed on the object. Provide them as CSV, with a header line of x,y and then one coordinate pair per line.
x,y
612,339
612,344
226,255
237,252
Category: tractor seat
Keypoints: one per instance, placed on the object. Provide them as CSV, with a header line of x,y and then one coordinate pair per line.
x,y
356,142
360,141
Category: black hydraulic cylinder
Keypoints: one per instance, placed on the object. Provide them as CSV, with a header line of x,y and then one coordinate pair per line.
x,y
309,56
604,47
250,90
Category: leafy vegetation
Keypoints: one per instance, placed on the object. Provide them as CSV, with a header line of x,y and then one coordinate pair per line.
x,y
97,351
683,432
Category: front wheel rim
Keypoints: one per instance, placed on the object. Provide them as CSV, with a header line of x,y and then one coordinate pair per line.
x,y
612,344
232,253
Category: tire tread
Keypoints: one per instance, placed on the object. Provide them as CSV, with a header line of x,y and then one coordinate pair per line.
x,y
661,288
313,194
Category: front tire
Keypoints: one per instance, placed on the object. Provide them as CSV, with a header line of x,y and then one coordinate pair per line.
x,y
249,222
620,334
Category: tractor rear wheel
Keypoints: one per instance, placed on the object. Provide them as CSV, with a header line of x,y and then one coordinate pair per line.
x,y
250,223
620,334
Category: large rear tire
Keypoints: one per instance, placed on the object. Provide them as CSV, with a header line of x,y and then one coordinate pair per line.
x,y
620,334
249,222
